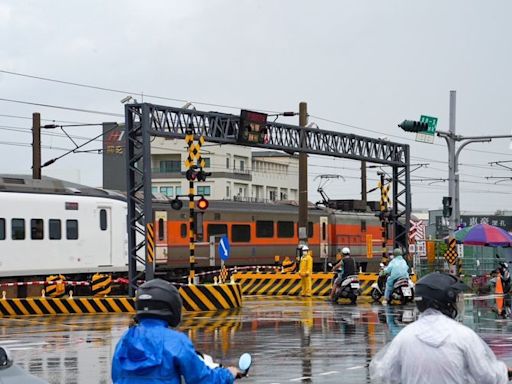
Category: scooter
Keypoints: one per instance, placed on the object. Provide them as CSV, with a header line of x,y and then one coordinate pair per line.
x,y
244,363
10,373
403,289
349,288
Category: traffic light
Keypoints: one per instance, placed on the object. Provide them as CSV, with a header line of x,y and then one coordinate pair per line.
x,y
202,203
447,206
202,175
253,127
413,126
192,173
176,204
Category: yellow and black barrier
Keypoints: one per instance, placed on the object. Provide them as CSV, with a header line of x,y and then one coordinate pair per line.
x,y
211,297
56,288
288,284
101,285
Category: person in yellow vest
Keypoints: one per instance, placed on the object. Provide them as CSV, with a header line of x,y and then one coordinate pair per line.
x,y
305,271
288,265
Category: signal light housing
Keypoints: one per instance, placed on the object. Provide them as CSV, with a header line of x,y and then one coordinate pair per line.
x,y
176,204
413,126
202,203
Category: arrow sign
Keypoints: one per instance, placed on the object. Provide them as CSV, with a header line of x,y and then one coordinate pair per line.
x,y
224,248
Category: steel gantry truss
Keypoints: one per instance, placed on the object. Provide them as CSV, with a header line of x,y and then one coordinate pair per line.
x,y
144,121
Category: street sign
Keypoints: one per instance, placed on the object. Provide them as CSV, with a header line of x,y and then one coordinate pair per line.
x,y
224,248
428,136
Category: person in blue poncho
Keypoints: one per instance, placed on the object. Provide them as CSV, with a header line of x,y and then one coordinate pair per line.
x,y
152,352
396,269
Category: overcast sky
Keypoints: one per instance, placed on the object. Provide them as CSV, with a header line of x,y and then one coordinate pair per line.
x,y
362,67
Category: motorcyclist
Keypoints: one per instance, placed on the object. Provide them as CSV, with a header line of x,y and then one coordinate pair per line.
x,y
152,352
396,269
436,348
345,267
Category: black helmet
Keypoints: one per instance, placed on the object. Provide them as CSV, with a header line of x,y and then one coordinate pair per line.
x,y
439,290
159,298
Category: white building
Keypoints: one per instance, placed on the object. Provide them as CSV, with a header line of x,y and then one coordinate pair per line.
x,y
237,172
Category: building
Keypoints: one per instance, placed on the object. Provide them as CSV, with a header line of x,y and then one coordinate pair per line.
x,y
237,172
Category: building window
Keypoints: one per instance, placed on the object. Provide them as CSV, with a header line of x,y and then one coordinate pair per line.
x,y
36,229
204,190
178,190
167,191
154,190
170,166
2,229
55,229
206,162
103,219
227,162
72,229
18,229
264,228
242,165
272,195
228,192
285,229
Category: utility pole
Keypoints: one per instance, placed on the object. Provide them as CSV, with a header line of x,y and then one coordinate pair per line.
x,y
303,176
36,145
363,182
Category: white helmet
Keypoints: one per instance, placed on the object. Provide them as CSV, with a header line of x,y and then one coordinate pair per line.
x,y
305,248
345,251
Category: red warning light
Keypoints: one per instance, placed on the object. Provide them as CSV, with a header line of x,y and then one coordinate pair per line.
x,y
202,203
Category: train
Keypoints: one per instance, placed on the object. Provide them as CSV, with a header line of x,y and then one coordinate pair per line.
x,y
50,226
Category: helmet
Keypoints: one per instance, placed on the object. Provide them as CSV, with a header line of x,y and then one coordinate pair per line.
x,y
345,251
159,298
439,290
305,248
397,252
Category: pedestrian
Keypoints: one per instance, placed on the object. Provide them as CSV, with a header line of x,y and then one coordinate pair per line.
x,y
345,267
436,348
151,352
396,269
305,271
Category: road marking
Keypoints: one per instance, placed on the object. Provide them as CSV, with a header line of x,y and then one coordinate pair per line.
x,y
301,378
357,367
328,373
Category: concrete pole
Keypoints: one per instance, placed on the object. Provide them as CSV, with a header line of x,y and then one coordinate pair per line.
x,y
303,176
452,182
36,145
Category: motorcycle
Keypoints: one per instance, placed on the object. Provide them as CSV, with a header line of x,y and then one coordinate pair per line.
x,y
244,363
403,289
503,271
348,289
11,373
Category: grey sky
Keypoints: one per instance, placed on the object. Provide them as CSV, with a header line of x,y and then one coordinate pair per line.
x,y
368,64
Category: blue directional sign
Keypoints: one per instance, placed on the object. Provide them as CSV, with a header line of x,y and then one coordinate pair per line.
x,y
224,248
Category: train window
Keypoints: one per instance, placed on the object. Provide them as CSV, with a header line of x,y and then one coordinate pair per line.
x,y
183,230
2,229
285,229
160,229
55,229
264,228
324,231
240,233
103,219
18,229
36,229
217,229
363,225
71,229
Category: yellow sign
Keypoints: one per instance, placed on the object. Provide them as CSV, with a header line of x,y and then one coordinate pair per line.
x,y
369,246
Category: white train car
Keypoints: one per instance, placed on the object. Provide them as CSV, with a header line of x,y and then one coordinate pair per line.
x,y
50,227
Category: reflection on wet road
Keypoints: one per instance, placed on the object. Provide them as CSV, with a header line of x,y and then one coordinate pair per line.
x,y
291,339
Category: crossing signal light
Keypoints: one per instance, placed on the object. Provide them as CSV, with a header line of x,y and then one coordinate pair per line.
x,y
413,126
202,203
253,127
202,175
447,206
176,204
191,173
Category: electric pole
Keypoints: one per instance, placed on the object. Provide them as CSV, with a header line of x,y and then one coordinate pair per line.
x,y
36,145
303,176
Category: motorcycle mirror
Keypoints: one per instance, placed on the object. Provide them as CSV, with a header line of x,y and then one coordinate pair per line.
x,y
244,363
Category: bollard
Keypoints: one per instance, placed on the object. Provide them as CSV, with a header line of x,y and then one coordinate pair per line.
x,y
4,295
43,292
57,288
101,285
215,280
70,293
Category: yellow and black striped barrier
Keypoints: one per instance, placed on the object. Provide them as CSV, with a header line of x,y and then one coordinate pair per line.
x,y
101,285
71,305
56,288
211,297
288,284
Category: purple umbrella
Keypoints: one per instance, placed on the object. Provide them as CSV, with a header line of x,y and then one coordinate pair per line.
x,y
485,234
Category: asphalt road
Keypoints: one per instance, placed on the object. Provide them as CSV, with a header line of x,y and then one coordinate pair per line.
x,y
291,339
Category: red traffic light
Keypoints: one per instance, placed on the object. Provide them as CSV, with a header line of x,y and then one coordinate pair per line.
x,y
202,203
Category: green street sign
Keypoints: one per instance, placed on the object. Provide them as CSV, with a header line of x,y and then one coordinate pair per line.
x,y
427,136
432,124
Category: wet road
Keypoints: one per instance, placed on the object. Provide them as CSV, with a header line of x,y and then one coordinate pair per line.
x,y
291,339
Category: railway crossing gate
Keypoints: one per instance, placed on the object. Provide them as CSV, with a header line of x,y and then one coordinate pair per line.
x,y
144,121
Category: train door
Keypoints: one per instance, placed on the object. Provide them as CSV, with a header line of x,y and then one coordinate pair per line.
x,y
105,241
161,236
324,237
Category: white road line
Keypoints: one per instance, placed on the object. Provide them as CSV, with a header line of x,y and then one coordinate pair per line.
x,y
301,378
357,367
327,373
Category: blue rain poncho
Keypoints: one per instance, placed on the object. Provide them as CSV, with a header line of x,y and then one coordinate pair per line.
x,y
397,268
152,353
437,349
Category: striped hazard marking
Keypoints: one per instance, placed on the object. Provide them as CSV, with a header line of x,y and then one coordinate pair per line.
x,y
211,297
